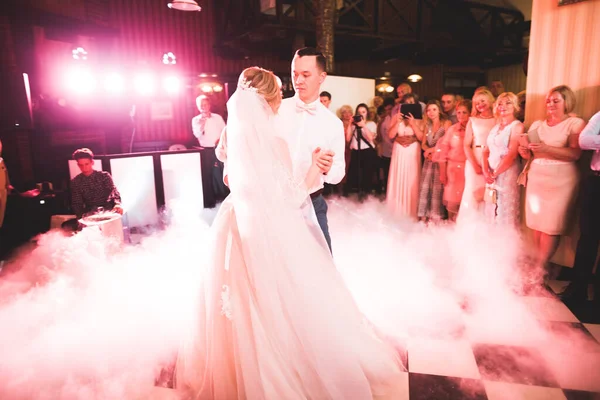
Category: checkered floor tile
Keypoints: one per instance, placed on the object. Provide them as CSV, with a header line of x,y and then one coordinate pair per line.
x,y
564,364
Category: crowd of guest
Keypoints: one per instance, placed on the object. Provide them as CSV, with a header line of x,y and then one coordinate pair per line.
x,y
460,159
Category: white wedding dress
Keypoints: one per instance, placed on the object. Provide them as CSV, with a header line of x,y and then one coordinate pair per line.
x,y
275,319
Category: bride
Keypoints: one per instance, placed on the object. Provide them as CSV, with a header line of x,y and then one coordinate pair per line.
x,y
275,319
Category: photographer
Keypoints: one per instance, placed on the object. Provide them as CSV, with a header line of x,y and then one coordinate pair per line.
x,y
363,160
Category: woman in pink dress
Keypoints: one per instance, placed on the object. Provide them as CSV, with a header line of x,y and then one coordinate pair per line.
x,y
451,158
405,168
481,122
275,318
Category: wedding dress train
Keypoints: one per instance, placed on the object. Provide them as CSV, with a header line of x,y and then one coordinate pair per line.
x,y
275,318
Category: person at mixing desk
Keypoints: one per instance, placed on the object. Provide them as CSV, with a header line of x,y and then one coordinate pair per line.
x,y
91,189
207,127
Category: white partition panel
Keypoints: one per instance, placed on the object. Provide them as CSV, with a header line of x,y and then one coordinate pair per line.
x,y
346,90
74,169
182,179
134,177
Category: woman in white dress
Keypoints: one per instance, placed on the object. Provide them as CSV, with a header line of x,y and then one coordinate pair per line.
x,y
275,319
405,168
501,165
480,124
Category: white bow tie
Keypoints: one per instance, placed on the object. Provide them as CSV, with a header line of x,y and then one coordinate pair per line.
x,y
309,108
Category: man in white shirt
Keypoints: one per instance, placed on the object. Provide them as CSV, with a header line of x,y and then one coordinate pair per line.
x,y
306,124
207,127
589,223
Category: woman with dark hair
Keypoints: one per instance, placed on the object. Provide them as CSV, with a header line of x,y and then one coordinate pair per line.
x,y
405,168
363,160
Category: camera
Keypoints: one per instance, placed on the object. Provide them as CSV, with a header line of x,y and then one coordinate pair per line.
x,y
357,118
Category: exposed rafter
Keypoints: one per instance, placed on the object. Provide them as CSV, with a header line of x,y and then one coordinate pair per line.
x,y
423,30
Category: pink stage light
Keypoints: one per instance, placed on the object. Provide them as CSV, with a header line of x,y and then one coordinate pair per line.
x,y
81,81
114,83
144,84
172,84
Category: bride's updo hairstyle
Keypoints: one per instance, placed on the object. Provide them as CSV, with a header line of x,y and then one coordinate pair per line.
x,y
265,82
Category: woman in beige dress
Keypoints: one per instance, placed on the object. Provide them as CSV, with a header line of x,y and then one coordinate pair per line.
x,y
405,167
480,124
553,179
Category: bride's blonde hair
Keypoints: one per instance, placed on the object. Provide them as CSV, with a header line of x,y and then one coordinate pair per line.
x,y
265,82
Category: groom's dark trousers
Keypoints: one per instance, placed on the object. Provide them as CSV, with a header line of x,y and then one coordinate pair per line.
x,y
320,207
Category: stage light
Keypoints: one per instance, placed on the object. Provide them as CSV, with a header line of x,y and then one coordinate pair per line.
x,y
169,59
172,84
217,88
79,53
144,84
114,83
206,88
81,81
385,87
184,5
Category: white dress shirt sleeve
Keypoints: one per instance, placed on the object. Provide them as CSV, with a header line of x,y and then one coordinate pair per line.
x,y
220,123
589,139
196,126
338,145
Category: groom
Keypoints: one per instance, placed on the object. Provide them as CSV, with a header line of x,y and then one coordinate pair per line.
x,y
306,125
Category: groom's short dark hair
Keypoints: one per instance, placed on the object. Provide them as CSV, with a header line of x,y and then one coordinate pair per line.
x,y
311,51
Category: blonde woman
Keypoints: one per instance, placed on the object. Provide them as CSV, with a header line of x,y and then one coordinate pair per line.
x,y
272,303
480,124
501,165
431,190
552,179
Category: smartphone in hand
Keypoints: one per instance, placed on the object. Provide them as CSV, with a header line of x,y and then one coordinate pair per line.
x,y
533,136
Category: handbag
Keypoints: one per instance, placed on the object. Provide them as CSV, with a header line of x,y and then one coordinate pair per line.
x,y
490,195
522,179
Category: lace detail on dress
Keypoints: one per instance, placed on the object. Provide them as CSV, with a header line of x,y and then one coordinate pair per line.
x,y
226,302
294,192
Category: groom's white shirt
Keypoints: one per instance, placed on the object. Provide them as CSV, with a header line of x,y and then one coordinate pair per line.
x,y
305,132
